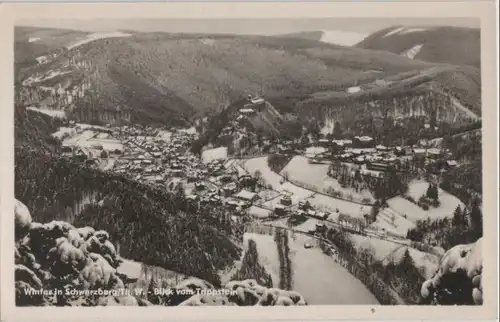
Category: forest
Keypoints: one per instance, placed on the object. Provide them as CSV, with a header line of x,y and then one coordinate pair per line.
x,y
148,224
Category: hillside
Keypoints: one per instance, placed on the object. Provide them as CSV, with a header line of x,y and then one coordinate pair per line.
x,y
172,79
135,215
33,42
450,45
185,74
337,37
94,275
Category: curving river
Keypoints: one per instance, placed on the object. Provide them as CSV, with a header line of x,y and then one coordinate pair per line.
x,y
314,274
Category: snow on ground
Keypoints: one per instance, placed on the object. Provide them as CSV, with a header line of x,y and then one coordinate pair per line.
x,y
388,252
96,36
326,203
328,127
405,207
33,39
314,150
399,226
297,193
62,131
259,212
410,30
448,202
394,31
165,135
52,113
413,51
214,154
86,139
315,176
130,268
268,175
320,279
381,248
190,130
343,38
268,254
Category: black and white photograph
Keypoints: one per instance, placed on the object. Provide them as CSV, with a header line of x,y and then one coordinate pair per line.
x,y
248,162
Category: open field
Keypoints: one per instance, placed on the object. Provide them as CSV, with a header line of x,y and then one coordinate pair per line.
x,y
315,176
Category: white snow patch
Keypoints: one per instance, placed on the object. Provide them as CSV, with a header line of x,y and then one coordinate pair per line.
x,y
328,127
259,212
64,131
320,279
99,35
52,113
413,51
33,39
410,30
268,175
343,38
268,254
314,150
214,154
394,31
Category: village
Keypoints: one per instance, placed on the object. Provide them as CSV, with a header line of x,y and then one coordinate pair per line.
x,y
309,186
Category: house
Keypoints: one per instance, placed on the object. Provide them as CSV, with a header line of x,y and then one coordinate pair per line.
x,y
304,205
377,166
247,111
286,201
280,210
228,190
324,143
382,148
451,164
247,195
363,142
433,153
353,89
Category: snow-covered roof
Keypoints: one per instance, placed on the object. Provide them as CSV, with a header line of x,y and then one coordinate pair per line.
x,y
246,195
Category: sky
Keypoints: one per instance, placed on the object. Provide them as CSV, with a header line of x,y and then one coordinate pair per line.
x,y
249,26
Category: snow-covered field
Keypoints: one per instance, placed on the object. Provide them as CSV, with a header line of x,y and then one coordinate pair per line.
x,y
314,150
320,202
62,131
86,139
325,203
296,193
393,222
269,176
405,207
52,113
315,177
259,212
387,252
320,279
448,202
214,154
268,254
98,35
343,38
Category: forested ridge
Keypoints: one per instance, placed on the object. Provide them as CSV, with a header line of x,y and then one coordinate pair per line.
x,y
150,224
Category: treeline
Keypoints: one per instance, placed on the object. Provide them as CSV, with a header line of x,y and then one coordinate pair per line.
x,y
465,227
33,129
251,268
281,240
149,224
395,283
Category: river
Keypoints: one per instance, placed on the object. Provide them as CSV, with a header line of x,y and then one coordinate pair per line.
x,y
315,275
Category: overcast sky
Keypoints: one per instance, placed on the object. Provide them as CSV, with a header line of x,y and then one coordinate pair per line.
x,y
250,26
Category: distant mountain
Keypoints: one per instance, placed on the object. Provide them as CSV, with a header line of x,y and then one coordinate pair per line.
x,y
451,45
172,79
337,37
